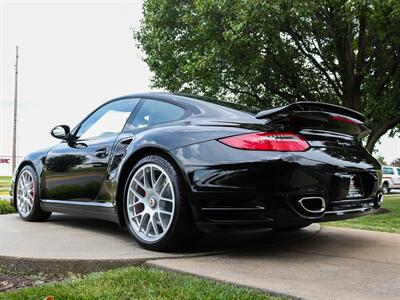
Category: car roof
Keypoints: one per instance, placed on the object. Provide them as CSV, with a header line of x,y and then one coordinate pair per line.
x,y
200,106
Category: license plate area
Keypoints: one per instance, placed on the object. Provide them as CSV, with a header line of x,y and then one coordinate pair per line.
x,y
355,189
355,185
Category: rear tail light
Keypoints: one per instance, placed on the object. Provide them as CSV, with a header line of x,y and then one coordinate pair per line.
x,y
267,141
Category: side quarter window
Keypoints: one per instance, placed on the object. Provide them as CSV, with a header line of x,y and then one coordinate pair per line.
x,y
108,120
154,112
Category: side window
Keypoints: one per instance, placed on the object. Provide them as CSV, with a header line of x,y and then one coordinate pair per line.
x,y
388,171
107,120
398,171
155,112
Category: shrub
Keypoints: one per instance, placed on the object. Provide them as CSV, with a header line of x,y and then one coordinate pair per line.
x,y
6,208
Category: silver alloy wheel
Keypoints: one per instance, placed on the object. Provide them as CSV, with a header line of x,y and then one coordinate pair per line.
x,y
25,193
385,188
151,202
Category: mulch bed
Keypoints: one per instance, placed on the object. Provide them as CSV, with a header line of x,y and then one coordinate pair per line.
x,y
9,282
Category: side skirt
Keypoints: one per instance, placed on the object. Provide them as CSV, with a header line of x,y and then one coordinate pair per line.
x,y
97,210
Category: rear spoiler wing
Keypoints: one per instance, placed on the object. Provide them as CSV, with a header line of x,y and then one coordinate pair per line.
x,y
320,116
308,106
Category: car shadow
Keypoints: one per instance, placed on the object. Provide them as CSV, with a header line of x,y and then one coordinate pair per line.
x,y
207,243
264,242
89,224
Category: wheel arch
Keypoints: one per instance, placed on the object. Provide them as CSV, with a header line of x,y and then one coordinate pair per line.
x,y
130,163
386,181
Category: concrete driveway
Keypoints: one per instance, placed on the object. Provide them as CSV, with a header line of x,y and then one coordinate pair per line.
x,y
336,263
75,244
313,263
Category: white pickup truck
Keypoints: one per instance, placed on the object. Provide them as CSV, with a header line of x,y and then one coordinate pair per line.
x,y
390,178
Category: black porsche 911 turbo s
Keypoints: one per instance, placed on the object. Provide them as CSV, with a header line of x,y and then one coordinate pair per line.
x,y
168,166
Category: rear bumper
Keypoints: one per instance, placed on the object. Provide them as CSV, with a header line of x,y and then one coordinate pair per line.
x,y
279,212
238,188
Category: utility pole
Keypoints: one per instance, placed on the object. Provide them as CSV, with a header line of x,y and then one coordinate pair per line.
x,y
14,147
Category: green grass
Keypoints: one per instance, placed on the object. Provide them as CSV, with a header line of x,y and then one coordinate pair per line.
x,y
138,283
5,182
388,222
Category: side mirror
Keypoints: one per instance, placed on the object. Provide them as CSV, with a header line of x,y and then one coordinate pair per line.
x,y
61,132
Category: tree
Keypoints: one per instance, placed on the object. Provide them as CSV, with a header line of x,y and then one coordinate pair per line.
x,y
396,163
268,53
381,159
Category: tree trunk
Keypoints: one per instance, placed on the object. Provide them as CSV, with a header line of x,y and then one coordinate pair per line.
x,y
380,131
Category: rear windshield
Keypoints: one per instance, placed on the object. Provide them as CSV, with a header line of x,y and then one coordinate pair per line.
x,y
232,105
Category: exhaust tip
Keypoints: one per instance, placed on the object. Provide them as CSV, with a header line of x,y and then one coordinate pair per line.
x,y
314,205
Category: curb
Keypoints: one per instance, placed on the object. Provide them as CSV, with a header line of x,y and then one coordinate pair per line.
x,y
63,266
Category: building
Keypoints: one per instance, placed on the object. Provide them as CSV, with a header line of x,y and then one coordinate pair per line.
x,y
6,164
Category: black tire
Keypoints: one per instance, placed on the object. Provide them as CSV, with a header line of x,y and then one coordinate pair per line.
x,y
36,214
182,229
292,228
385,188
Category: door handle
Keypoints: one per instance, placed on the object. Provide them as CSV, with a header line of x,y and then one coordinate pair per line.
x,y
101,153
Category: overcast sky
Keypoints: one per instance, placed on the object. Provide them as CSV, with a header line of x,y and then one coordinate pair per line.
x,y
74,55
